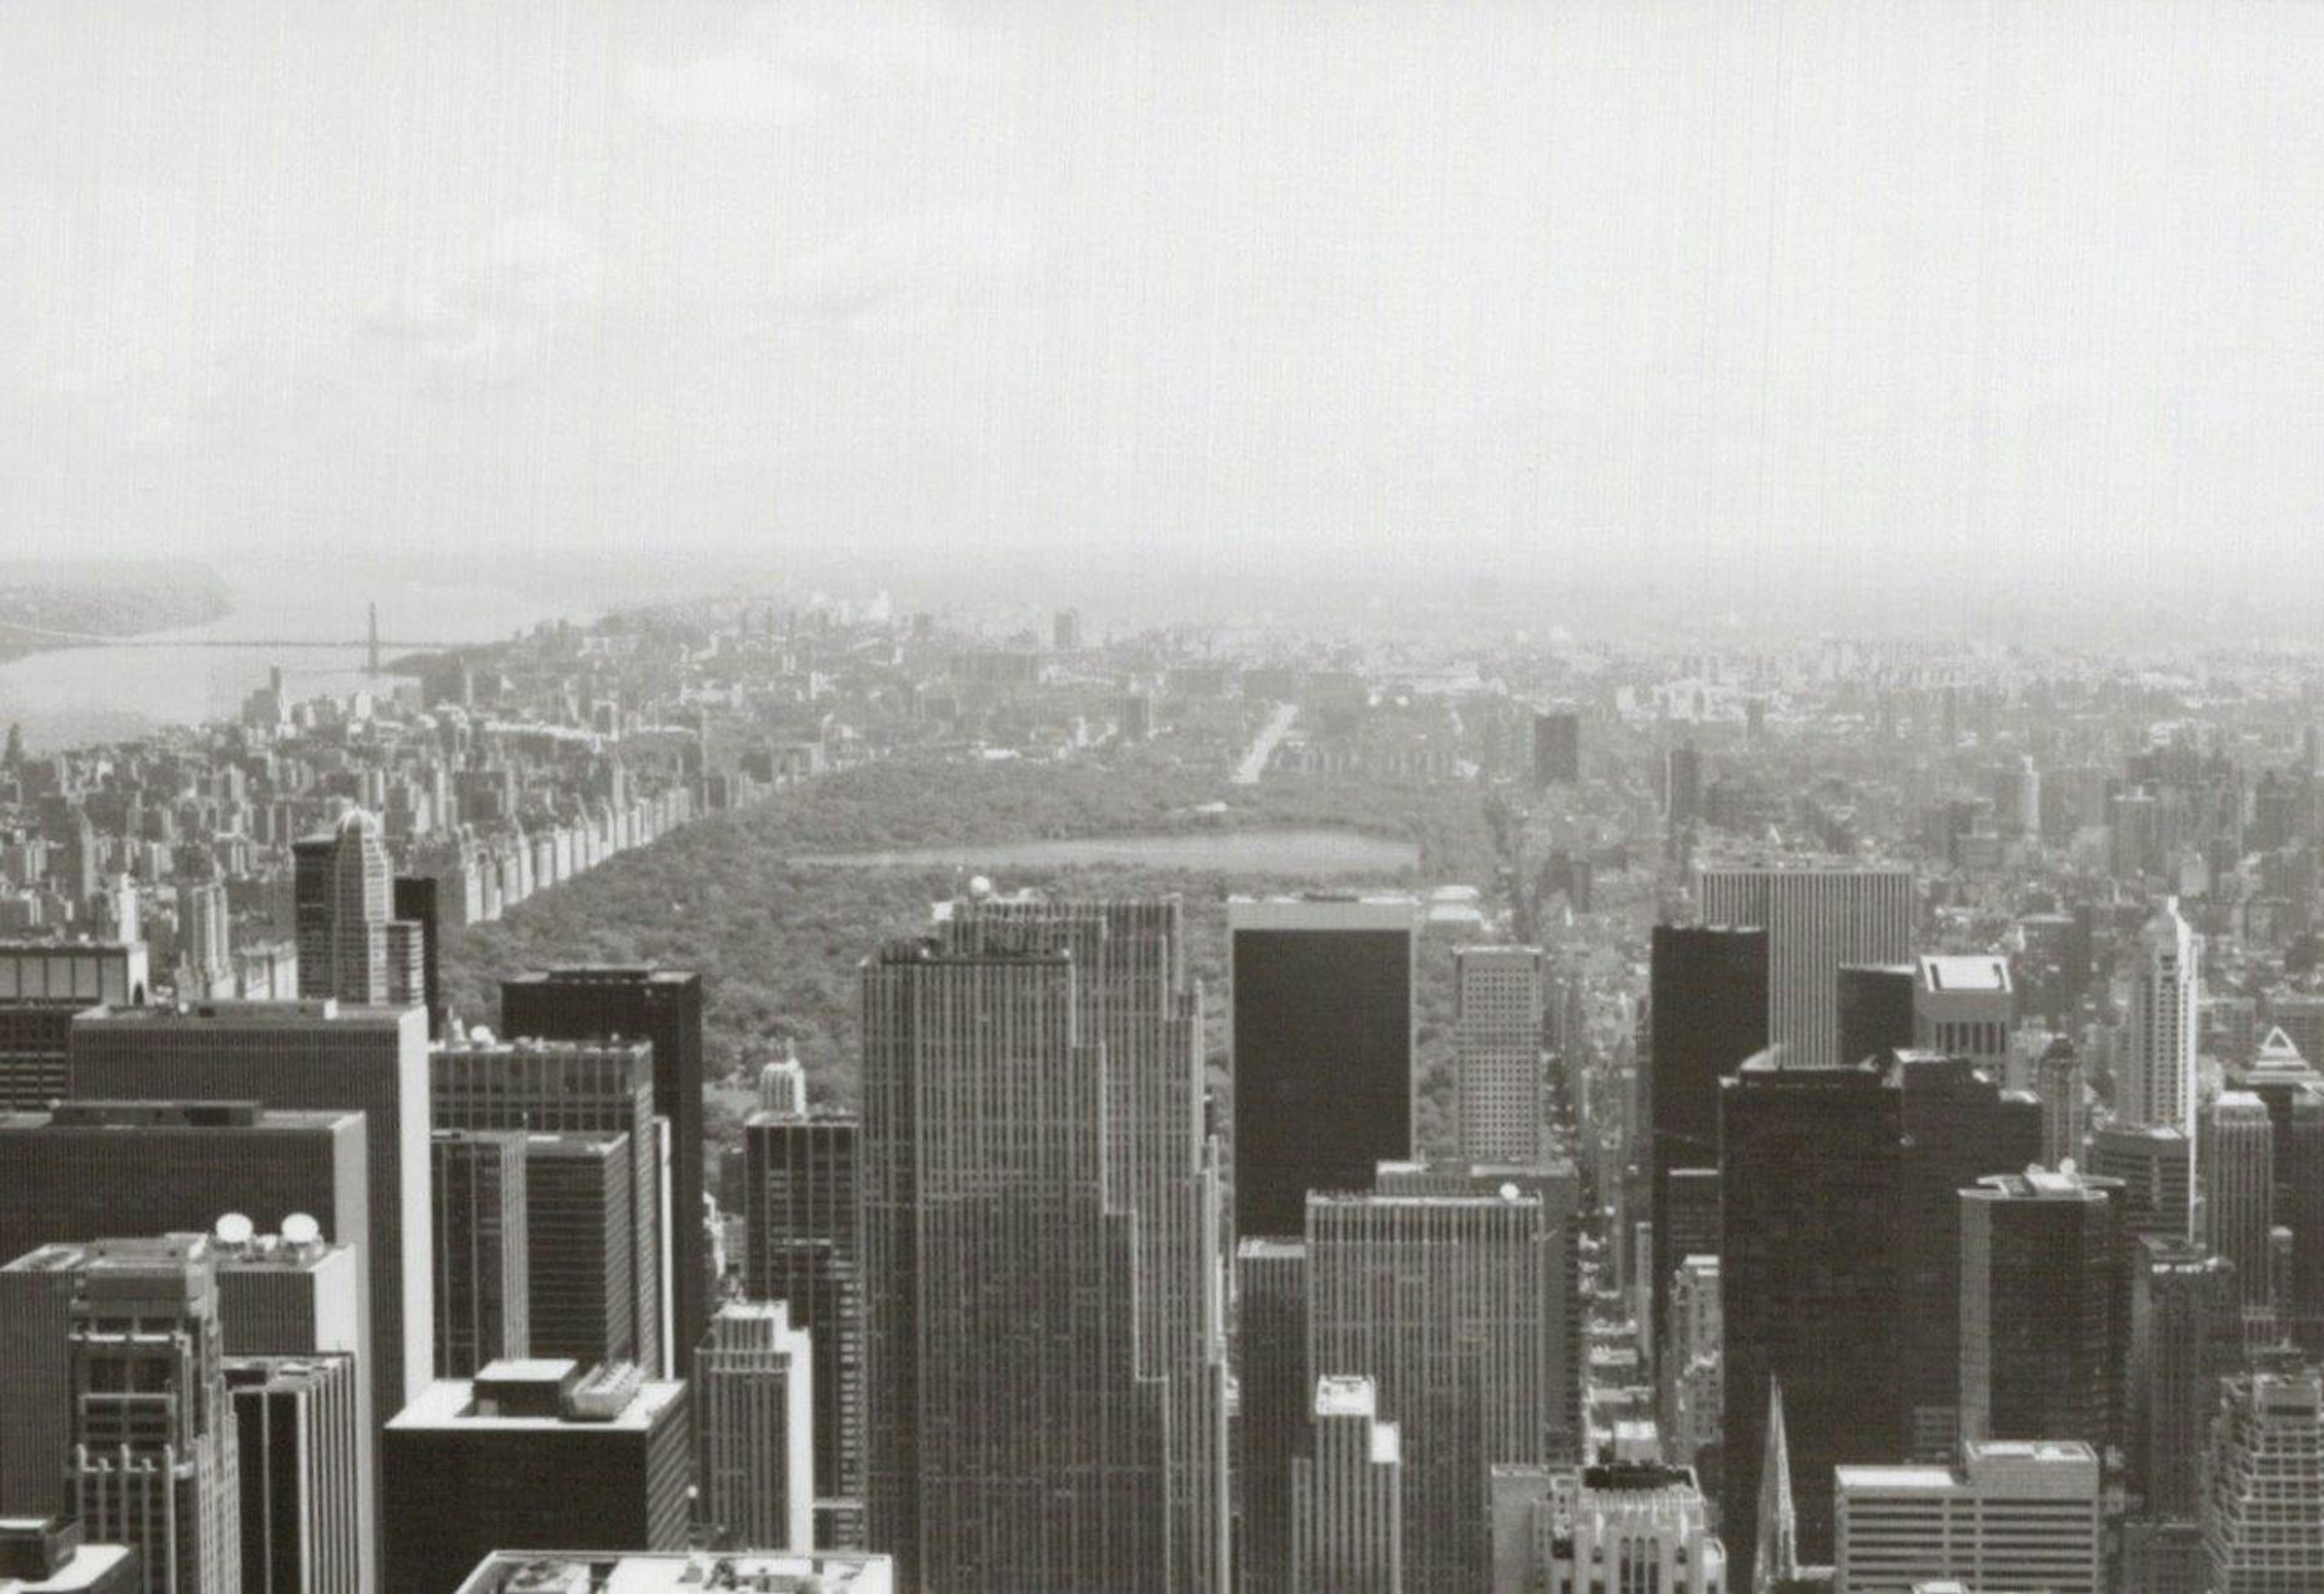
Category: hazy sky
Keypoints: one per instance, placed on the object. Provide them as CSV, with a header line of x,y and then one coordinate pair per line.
x,y
2035,288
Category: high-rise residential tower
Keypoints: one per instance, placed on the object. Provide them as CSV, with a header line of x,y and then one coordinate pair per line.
x,y
1320,990
663,1007
1811,1285
1816,919
1497,1056
351,944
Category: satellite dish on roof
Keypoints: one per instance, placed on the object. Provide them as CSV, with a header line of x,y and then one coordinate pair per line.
x,y
980,887
300,1229
1509,1191
481,1035
233,1229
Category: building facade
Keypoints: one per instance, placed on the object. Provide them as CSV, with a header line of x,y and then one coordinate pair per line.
x,y
1497,1054
754,1393
1816,919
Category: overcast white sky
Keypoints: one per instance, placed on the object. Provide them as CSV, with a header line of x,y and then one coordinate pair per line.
x,y
2032,287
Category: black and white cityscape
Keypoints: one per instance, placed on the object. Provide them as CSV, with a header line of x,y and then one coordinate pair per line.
x,y
924,797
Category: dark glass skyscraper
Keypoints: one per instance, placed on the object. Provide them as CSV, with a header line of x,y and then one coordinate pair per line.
x,y
1958,1127
1322,995
1875,1010
663,1006
1810,1286
2043,1336
1707,1012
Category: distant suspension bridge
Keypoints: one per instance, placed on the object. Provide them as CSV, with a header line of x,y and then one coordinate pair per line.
x,y
373,644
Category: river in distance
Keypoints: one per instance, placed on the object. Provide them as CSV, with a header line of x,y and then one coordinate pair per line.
x,y
69,696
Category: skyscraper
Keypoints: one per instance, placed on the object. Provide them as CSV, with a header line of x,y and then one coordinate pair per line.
x,y
1875,1010
1320,990
43,985
1693,1381
1811,1285
153,1463
580,1263
1556,748
2154,1079
2186,1333
575,1088
2156,1167
2012,1515
304,1508
664,1006
1958,1127
413,900
1496,1056
1615,1526
753,1419
351,944
802,1246
1271,1429
2043,1340
2236,1157
533,1454
1440,1301
2264,1482
1707,1007
480,1244
1013,1443
2058,1083
1346,1496
305,1057
1148,1012
1965,1007
1816,919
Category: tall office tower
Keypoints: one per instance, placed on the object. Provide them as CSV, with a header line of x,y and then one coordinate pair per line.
x,y
2156,1167
2043,1339
413,900
1958,1127
664,1006
533,1454
2058,1084
305,1512
1810,1284
2186,1333
1142,1005
1271,1429
1557,1185
1496,1056
1320,993
297,1297
2012,1515
305,1057
92,1169
1556,748
530,1571
754,1393
802,1246
1875,1010
1708,995
2155,1078
45,1555
205,935
1013,1442
1347,1520
1440,1301
1683,786
152,1458
1620,1526
344,915
580,1261
43,985
1816,919
1692,1378
481,1243
2235,1154
1965,1007
592,1088
2293,1094
2264,1482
